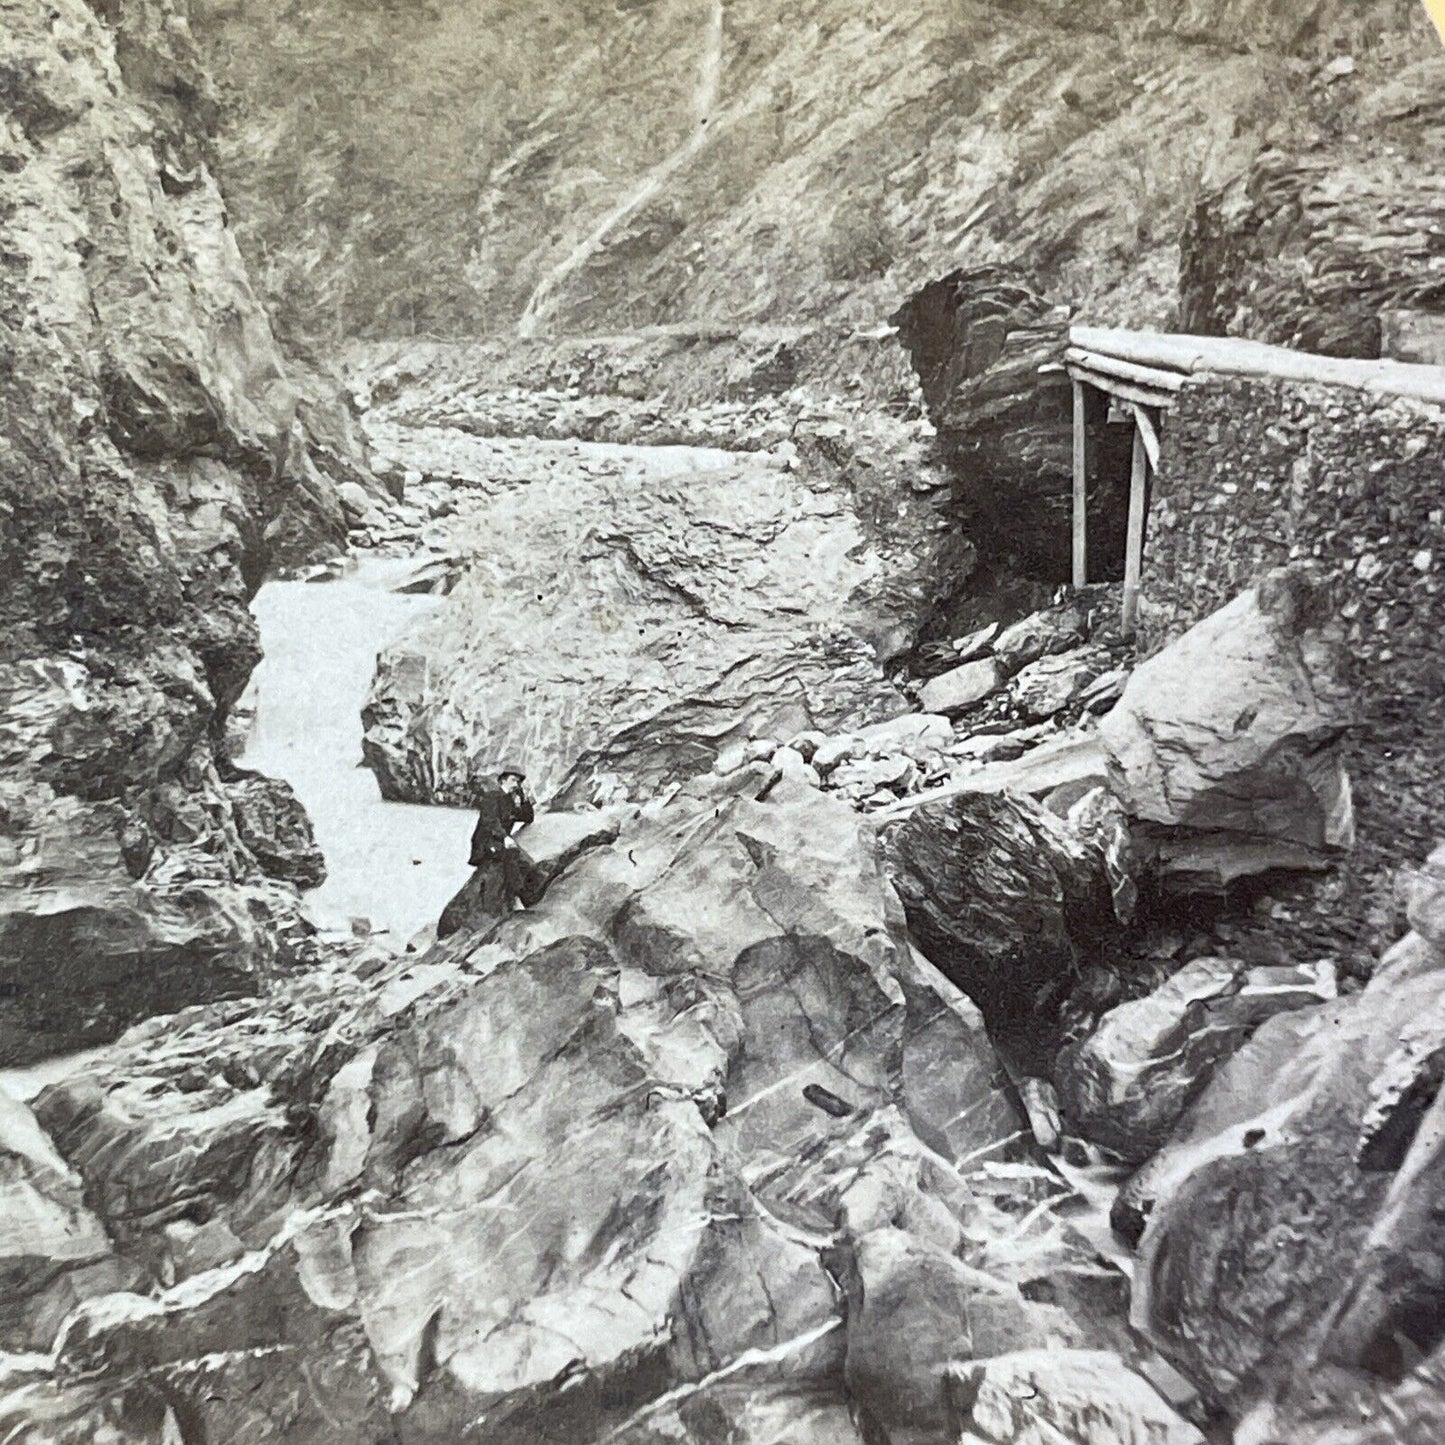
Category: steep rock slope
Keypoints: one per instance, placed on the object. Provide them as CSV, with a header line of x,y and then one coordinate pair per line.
x,y
591,167
1313,242
156,455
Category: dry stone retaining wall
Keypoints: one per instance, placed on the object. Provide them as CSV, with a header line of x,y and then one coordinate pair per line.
x,y
1255,473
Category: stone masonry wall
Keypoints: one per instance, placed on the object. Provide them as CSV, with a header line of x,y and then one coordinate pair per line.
x,y
1254,473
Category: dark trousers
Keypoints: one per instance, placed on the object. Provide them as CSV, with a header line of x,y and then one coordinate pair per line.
x,y
522,878
497,883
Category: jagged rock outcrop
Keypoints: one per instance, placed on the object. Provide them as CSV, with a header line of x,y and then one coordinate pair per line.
x,y
978,339
628,616
1313,245
157,455
1126,1085
1229,740
596,1172
1002,895
1290,1263
274,826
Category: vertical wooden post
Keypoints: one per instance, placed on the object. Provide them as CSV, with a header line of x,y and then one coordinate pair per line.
x,y
1081,488
1134,549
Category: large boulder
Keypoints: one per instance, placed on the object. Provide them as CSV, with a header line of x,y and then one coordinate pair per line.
x,y
1295,1217
99,927
1002,895
634,615
1229,740
1128,1083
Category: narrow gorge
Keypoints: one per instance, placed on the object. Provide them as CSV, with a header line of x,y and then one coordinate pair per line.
x,y
944,505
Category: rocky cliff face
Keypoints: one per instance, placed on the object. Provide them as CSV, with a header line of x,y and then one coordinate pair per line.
x,y
157,455
593,168
1313,243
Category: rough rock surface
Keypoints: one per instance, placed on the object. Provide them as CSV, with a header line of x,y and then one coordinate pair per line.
x,y
1295,1216
1061,1397
1042,634
274,826
685,161
1045,688
49,1233
1001,895
594,1174
631,614
1311,246
1128,1083
157,454
1229,740
914,1309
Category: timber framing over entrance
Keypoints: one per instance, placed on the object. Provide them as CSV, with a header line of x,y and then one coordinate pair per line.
x,y
1142,373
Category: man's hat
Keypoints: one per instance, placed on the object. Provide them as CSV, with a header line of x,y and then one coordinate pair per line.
x,y
511,770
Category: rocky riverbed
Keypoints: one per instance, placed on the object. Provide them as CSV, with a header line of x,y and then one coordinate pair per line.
x,y
948,1018
797,1107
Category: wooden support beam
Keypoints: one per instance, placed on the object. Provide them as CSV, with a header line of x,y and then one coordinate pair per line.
x,y
1227,356
1134,548
1153,377
1147,430
1081,486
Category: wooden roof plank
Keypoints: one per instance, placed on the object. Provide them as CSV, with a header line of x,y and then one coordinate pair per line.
x,y
1151,376
1124,390
1229,356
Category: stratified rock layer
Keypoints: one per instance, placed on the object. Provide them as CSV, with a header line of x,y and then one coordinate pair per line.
x,y
600,170
1312,246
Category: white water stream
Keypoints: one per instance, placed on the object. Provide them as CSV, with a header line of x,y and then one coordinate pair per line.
x,y
395,864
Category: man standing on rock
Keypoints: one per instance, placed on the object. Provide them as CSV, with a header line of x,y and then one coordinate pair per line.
x,y
502,803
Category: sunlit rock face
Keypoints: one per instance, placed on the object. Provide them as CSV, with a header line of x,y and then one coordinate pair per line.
x,y
631,616
156,455
671,1144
